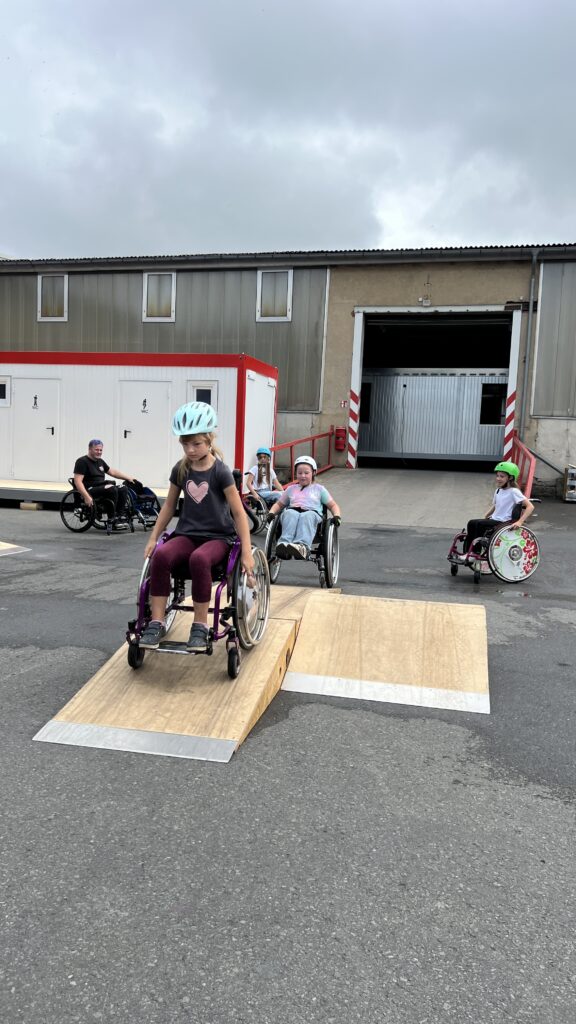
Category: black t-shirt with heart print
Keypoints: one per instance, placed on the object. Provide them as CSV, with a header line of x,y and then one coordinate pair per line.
x,y
205,512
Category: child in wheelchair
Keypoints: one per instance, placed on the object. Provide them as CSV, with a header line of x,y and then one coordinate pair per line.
x,y
212,515
301,505
261,480
507,502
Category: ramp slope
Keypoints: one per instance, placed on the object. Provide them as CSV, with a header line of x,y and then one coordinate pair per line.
x,y
405,652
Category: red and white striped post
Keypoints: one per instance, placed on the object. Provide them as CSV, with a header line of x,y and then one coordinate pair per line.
x,y
355,384
512,377
353,414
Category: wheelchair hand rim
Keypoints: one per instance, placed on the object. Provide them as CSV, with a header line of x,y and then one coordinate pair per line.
x,y
513,554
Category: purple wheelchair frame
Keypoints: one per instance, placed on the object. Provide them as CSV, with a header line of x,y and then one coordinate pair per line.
x,y
241,622
221,628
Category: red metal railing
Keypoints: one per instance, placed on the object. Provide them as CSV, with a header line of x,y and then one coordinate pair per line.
x,y
311,441
526,463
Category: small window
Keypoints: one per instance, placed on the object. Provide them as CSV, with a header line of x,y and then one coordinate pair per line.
x,y
274,295
52,297
4,391
493,405
203,391
159,297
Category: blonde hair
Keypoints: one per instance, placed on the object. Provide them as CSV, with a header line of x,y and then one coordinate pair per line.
x,y
185,465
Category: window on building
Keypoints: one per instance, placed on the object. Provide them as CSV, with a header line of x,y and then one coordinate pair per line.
x,y
493,403
4,390
159,297
52,296
274,295
203,391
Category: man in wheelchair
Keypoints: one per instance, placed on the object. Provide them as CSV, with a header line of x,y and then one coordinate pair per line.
x,y
90,480
303,504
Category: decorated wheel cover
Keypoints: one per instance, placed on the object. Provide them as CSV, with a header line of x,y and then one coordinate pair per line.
x,y
513,553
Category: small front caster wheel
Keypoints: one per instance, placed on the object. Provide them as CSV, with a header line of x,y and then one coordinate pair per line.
x,y
233,663
135,655
477,575
453,570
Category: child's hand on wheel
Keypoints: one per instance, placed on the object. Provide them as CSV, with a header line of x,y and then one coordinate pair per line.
x,y
149,549
248,567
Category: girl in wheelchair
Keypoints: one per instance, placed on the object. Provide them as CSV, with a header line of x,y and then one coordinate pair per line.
x,y
261,480
302,503
211,516
506,497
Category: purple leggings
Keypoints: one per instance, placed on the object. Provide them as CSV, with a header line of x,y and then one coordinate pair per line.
x,y
194,557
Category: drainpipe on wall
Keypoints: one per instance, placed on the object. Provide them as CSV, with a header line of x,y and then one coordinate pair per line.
x,y
535,253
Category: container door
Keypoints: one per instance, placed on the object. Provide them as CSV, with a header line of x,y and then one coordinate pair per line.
x,y
145,417
36,437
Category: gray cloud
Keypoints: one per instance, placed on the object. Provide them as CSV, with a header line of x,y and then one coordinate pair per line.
x,y
132,128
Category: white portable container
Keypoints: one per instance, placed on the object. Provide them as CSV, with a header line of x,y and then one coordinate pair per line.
x,y
52,404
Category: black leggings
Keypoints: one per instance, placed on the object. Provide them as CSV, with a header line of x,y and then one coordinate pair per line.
x,y
477,528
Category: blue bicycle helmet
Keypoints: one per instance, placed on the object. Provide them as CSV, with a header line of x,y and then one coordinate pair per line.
x,y
264,451
194,418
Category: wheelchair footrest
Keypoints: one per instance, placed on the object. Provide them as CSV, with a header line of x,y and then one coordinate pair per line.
x,y
177,647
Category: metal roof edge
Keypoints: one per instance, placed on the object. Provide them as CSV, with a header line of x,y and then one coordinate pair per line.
x,y
311,258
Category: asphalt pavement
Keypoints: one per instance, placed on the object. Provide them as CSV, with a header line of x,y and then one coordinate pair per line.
x,y
353,862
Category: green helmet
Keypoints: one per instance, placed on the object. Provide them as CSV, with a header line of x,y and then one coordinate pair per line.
x,y
508,467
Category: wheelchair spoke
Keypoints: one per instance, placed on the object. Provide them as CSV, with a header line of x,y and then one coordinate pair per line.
x,y
75,515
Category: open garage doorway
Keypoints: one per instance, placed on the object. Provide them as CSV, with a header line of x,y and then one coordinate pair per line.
x,y
435,384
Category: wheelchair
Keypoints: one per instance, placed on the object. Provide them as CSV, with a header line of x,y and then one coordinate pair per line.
x,y
241,621
144,505
510,552
257,510
325,550
79,517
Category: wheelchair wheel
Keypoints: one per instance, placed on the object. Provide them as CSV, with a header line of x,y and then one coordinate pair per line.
x,y
453,570
233,663
513,554
135,656
331,553
251,605
257,511
75,515
272,536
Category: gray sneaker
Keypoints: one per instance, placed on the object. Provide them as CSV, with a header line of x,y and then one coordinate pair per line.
x,y
155,632
299,550
198,639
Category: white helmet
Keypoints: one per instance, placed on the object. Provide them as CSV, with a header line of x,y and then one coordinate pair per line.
x,y
194,418
307,460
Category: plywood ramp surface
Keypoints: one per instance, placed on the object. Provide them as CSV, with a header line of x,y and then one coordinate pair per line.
x,y
405,652
179,705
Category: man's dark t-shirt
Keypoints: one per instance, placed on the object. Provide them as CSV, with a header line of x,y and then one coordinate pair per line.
x,y
92,470
206,512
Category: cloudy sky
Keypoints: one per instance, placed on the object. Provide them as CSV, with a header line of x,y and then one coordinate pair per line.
x,y
133,127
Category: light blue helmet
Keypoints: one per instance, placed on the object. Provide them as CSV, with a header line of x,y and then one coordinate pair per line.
x,y
264,451
194,418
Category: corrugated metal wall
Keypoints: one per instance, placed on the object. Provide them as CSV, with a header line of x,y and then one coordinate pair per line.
x,y
555,375
215,313
423,415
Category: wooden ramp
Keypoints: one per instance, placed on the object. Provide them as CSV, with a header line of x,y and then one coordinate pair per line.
x,y
183,706
404,652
